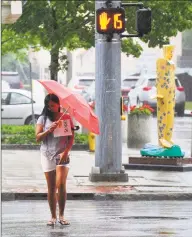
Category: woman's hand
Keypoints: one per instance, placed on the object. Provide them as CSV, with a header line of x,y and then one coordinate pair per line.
x,y
53,126
64,157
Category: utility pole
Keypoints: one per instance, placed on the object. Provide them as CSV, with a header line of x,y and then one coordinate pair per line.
x,y
110,24
191,134
108,154
31,88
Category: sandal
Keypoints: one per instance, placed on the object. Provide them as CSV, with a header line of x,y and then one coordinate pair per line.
x,y
63,222
51,222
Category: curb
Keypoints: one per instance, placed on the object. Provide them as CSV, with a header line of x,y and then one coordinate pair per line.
x,y
103,196
179,168
76,147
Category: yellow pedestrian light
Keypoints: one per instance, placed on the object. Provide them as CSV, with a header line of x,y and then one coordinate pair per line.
x,y
110,20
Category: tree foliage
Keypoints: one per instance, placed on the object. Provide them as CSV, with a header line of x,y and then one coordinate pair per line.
x,y
55,25
169,18
16,43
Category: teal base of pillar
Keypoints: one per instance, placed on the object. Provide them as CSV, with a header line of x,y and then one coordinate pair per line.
x,y
157,151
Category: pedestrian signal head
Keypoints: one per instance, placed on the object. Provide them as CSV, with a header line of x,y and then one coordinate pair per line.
x,y
110,20
143,21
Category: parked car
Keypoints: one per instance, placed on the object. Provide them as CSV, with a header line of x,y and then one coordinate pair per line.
x,y
89,92
128,84
5,85
145,88
13,79
80,83
89,95
16,107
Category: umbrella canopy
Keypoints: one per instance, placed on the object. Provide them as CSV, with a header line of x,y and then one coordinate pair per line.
x,y
75,103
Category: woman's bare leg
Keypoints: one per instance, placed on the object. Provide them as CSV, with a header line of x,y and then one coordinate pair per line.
x,y
61,177
51,184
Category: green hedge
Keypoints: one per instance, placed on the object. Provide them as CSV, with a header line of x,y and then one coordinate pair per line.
x,y
12,134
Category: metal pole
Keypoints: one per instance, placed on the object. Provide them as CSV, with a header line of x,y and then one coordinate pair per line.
x,y
32,109
108,154
191,134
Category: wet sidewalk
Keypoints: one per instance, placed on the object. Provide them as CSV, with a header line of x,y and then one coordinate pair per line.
x,y
22,178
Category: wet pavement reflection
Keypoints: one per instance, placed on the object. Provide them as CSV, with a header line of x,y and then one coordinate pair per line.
x,y
100,218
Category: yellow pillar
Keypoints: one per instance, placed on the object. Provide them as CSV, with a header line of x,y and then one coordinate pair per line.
x,y
91,139
123,117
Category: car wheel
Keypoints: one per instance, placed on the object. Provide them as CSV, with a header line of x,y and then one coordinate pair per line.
x,y
181,111
29,120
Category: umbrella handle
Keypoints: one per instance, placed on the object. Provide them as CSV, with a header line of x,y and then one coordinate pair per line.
x,y
63,114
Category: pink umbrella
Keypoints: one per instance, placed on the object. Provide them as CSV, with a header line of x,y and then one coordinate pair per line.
x,y
75,104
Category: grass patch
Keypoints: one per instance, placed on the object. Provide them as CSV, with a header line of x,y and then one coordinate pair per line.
x,y
188,105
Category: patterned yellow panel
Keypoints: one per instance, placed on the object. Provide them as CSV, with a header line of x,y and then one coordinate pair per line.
x,y
165,84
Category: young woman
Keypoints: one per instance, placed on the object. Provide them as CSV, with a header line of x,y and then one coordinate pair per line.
x,y
54,153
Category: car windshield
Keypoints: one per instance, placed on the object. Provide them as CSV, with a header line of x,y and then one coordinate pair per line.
x,y
85,82
152,82
129,82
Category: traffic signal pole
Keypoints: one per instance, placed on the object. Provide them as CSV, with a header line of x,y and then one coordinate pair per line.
x,y
108,154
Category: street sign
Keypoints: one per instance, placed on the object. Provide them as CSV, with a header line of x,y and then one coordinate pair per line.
x,y
110,20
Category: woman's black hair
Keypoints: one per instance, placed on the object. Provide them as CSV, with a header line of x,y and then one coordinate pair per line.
x,y
46,111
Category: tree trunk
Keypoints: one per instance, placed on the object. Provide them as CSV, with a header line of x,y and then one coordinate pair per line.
x,y
54,66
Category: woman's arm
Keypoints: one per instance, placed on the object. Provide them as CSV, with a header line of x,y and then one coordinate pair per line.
x,y
71,138
70,142
40,135
64,155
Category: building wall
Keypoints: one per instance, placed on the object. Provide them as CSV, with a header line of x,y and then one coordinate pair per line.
x,y
185,59
10,11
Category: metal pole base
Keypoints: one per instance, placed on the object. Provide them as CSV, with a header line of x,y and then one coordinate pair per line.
x,y
96,176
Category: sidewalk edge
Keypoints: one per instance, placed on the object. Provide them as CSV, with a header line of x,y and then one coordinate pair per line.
x,y
147,196
79,147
